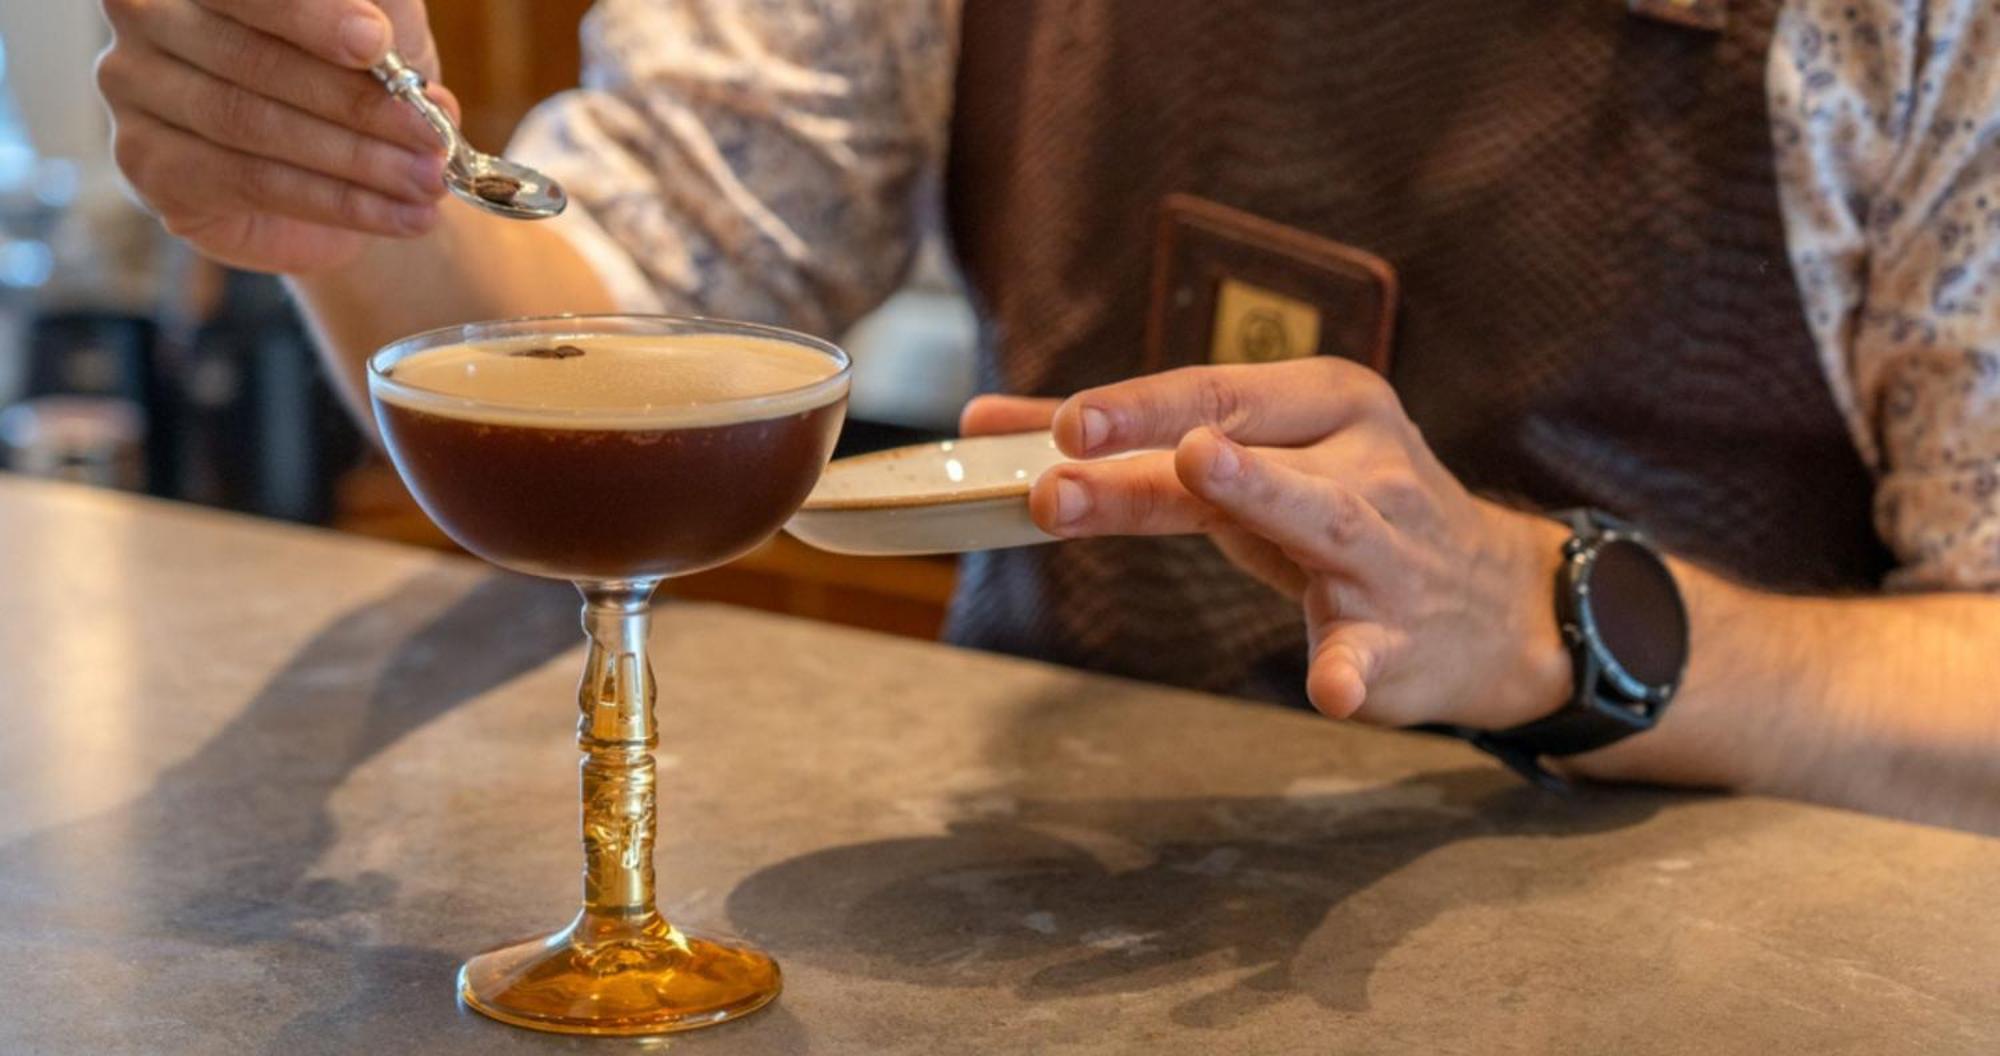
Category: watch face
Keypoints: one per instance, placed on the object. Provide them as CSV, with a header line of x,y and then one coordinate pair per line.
x,y
1637,612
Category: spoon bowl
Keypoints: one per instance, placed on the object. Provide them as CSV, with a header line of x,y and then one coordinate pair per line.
x,y
492,183
503,187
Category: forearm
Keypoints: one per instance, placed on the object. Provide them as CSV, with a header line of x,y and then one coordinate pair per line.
x,y
471,267
1424,605
1884,704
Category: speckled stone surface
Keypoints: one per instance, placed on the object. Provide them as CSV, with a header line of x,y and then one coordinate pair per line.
x,y
261,789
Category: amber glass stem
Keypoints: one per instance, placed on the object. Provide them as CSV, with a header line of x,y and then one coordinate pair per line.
x,y
617,736
618,968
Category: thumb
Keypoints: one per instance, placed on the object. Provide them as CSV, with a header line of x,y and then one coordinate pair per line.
x,y
1344,663
414,40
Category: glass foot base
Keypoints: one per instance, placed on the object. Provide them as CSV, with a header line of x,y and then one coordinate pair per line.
x,y
644,979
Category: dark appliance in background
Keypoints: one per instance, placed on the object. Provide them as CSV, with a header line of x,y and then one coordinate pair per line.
x,y
238,415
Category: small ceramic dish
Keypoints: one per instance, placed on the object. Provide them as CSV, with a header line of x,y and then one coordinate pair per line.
x,y
942,498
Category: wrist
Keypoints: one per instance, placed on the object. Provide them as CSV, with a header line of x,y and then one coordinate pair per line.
x,y
1535,674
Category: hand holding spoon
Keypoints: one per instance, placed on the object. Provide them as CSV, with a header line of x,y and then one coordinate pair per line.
x,y
492,183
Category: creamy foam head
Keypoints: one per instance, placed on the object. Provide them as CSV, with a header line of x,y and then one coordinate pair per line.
x,y
615,381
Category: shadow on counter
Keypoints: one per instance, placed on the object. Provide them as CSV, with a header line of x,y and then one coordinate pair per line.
x,y
1052,895
220,851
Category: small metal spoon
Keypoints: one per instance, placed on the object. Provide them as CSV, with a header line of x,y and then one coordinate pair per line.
x,y
492,183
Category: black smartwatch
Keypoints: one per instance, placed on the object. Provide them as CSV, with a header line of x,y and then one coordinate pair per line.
x,y
1626,629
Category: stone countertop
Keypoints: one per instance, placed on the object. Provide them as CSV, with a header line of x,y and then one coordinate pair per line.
x,y
261,789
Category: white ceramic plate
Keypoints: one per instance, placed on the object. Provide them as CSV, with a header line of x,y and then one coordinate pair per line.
x,y
942,498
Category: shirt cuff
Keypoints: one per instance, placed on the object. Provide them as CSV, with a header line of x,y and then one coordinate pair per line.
x,y
1944,526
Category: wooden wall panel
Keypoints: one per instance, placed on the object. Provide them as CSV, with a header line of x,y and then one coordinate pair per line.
x,y
503,56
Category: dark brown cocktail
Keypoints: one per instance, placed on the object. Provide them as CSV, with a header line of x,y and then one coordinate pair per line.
x,y
614,452
614,457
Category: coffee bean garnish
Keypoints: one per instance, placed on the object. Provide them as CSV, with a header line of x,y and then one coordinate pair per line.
x,y
558,352
500,190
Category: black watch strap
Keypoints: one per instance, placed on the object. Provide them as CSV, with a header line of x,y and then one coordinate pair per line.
x,y
1573,730
1526,763
1608,703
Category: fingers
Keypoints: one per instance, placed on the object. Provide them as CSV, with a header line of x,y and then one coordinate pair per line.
x,y
1262,559
1208,484
987,415
1127,496
1280,404
352,33
1344,662
234,52
182,174
1317,521
237,118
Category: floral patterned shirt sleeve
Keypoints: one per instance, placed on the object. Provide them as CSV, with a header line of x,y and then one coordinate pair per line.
x,y
757,159
1886,115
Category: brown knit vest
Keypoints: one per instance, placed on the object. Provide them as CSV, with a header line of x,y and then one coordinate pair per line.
x,y
1597,304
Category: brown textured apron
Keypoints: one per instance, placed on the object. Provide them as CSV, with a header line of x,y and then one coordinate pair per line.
x,y
1597,305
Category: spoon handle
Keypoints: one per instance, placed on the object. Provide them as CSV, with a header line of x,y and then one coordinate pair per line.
x,y
405,83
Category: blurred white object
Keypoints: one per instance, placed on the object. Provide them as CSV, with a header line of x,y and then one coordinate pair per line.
x,y
31,196
84,439
914,357
913,360
55,45
57,184
33,189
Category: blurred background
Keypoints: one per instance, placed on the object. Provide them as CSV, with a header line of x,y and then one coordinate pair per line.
x,y
128,362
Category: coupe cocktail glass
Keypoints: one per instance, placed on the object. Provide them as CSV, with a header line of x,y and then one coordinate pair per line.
x,y
613,452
